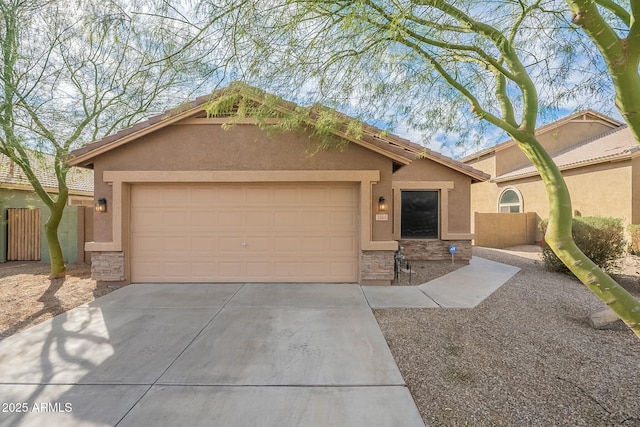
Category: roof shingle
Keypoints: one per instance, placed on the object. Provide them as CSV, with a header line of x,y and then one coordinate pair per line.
x,y
78,179
615,144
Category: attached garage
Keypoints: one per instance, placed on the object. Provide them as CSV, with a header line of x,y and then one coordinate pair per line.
x,y
244,232
187,197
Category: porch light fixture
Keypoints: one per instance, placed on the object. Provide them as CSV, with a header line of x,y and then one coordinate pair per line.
x,y
382,204
101,205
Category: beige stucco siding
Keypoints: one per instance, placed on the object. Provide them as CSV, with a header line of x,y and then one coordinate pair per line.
x,y
244,147
599,190
486,164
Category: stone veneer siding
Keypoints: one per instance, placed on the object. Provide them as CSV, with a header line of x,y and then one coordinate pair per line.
x,y
376,265
107,266
434,250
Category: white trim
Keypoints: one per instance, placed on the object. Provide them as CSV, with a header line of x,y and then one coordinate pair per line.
x,y
520,203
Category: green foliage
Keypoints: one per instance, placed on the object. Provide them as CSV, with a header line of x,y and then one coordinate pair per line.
x,y
601,239
274,115
634,231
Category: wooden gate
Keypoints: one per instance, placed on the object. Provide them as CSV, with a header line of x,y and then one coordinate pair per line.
x,y
23,234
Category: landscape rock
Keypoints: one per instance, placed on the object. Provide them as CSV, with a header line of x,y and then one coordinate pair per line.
x,y
605,319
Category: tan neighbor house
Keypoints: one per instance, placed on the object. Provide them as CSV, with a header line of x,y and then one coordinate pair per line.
x,y
188,201
598,158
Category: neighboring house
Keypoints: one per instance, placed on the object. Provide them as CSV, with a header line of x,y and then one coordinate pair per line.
x,y
24,214
188,201
598,158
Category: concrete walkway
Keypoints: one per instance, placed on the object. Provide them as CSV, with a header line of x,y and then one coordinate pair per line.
x,y
463,288
207,355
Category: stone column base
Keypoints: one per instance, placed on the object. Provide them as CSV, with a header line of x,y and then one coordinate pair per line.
x,y
376,267
107,266
434,249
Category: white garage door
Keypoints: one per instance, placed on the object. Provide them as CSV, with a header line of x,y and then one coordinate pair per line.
x,y
271,232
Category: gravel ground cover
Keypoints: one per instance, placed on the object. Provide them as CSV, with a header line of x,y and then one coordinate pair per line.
x,y
525,356
28,296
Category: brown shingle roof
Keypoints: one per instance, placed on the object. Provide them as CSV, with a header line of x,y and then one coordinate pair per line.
x,y
393,144
78,179
617,144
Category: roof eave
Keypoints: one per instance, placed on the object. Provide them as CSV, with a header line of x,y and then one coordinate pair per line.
x,y
613,159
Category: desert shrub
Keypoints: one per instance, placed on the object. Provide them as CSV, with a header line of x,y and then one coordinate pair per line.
x,y
634,245
601,239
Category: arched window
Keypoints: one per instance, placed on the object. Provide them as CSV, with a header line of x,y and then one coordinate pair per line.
x,y
510,201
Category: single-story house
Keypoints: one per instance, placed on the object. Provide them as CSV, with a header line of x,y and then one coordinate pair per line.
x,y
22,236
189,199
598,157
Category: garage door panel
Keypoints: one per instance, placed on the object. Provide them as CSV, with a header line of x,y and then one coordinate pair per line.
x,y
342,220
204,270
286,195
313,244
206,220
313,219
173,196
201,245
288,220
259,219
345,196
258,195
344,244
231,218
259,244
206,195
176,270
342,269
145,244
245,232
230,270
232,196
286,244
176,244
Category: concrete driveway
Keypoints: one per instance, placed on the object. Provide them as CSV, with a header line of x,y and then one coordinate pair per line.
x,y
207,354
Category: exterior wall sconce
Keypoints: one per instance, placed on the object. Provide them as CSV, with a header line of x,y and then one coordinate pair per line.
x,y
101,205
382,204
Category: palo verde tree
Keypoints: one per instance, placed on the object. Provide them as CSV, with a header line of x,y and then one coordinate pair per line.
x,y
429,63
72,72
614,28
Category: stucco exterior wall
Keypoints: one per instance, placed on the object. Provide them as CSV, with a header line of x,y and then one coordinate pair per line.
x,y
599,190
243,147
205,149
502,230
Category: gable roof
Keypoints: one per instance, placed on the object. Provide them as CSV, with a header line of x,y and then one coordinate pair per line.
x,y
399,149
79,180
583,115
615,145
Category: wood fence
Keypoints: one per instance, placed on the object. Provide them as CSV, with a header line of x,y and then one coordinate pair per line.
x,y
23,234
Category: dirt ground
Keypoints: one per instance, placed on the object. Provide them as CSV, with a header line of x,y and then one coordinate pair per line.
x,y
28,296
